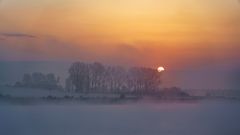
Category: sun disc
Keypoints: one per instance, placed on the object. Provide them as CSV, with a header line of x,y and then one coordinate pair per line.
x,y
160,69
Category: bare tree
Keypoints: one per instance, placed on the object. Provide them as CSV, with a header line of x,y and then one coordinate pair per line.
x,y
79,75
40,80
99,78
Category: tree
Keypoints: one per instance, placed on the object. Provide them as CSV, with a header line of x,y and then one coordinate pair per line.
x,y
96,76
69,85
79,75
51,81
39,80
99,78
27,80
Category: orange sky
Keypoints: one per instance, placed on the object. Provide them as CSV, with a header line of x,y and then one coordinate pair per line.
x,y
143,32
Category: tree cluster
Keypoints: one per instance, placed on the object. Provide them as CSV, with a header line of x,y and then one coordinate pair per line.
x,y
95,77
39,80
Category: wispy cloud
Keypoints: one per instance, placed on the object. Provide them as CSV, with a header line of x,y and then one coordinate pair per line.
x,y
17,35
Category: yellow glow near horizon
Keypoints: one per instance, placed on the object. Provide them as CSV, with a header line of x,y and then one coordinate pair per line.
x,y
127,20
186,29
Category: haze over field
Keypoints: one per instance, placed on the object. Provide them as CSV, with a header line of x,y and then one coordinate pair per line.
x,y
119,67
136,119
210,77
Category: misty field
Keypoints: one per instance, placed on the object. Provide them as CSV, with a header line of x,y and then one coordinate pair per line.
x,y
200,118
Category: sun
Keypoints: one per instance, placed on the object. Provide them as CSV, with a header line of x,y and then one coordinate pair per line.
x,y
160,69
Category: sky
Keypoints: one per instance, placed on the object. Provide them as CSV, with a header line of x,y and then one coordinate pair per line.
x,y
183,35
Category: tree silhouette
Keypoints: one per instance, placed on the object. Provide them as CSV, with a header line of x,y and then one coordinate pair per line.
x,y
84,77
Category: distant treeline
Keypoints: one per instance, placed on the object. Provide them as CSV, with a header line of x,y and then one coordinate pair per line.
x,y
39,80
96,77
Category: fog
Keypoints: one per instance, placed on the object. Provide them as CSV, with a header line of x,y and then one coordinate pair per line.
x,y
209,77
10,72
200,118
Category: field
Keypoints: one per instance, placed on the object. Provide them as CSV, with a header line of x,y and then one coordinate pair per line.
x,y
200,118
